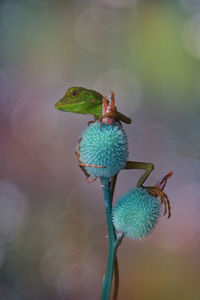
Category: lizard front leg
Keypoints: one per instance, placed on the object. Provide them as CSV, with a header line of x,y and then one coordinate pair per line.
x,y
83,165
110,112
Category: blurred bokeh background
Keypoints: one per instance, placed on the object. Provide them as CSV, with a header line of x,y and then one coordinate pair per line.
x,y
52,223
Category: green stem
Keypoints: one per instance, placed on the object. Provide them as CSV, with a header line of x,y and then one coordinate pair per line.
x,y
113,243
116,282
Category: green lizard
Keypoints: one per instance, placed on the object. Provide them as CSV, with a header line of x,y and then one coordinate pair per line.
x,y
86,101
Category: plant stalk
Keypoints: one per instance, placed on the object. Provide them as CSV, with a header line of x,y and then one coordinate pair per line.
x,y
113,242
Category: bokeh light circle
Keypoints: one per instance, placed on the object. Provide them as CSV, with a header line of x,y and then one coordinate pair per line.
x,y
2,251
87,200
191,5
13,211
4,85
180,233
111,20
66,268
34,122
88,34
96,25
44,2
155,134
191,35
85,289
15,16
55,260
124,84
120,3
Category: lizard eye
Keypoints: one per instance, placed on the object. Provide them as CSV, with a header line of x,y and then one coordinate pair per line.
x,y
74,93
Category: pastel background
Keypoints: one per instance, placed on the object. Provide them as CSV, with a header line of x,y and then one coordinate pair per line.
x,y
52,223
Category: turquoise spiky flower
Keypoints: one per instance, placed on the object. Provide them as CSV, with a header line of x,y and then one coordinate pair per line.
x,y
136,213
106,146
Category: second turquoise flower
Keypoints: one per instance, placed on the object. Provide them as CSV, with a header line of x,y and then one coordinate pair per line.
x,y
136,213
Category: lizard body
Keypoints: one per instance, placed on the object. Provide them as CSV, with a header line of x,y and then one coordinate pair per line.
x,y
84,101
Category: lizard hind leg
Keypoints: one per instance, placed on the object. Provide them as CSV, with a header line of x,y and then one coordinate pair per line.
x,y
163,181
167,206
158,191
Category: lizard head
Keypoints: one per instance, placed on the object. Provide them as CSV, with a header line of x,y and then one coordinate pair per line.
x,y
81,101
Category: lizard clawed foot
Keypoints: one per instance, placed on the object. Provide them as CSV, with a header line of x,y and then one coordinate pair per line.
x,y
90,122
157,191
110,112
90,180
